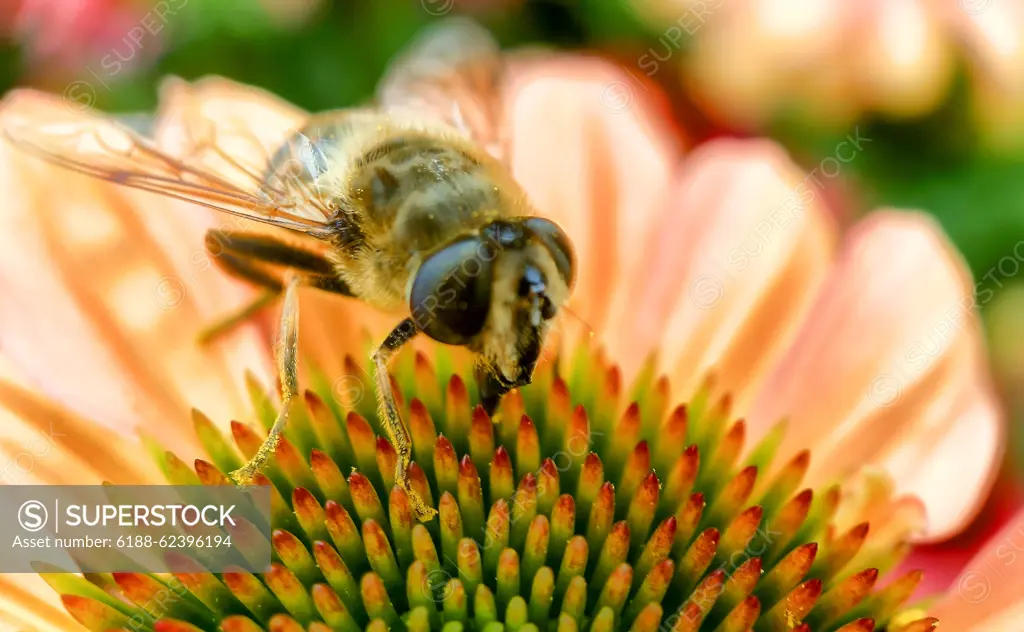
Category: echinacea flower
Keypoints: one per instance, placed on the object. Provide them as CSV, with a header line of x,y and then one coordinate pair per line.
x,y
833,60
641,481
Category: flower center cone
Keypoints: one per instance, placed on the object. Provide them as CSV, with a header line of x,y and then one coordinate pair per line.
x,y
579,506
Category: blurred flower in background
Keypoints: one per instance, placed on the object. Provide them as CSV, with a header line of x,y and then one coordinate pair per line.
x,y
95,49
834,60
61,36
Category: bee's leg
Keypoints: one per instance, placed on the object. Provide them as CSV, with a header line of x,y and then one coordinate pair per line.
x,y
247,255
267,249
391,416
243,269
287,361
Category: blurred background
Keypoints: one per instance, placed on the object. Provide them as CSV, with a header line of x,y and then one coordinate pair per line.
x,y
935,86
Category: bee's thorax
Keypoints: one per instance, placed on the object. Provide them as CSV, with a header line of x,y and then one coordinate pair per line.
x,y
402,189
415,194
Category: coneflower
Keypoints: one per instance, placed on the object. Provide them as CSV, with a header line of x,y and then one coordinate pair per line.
x,y
581,505
598,497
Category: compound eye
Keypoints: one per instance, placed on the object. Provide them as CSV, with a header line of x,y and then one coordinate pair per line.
x,y
451,294
558,244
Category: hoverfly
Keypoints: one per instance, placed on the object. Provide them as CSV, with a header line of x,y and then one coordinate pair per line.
x,y
413,198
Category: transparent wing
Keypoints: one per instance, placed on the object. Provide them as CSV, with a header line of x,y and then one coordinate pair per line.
x,y
453,72
105,148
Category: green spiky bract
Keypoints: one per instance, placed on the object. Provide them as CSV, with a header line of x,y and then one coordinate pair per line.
x,y
576,508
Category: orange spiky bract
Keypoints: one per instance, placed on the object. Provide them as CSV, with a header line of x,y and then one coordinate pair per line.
x,y
574,508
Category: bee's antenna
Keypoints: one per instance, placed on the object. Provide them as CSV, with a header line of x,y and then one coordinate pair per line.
x,y
552,353
586,325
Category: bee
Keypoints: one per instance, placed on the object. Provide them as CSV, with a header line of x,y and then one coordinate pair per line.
x,y
412,199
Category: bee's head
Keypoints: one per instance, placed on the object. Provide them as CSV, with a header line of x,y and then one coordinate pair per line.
x,y
496,293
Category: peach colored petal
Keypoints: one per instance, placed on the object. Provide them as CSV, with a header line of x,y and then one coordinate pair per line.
x,y
988,595
733,87
27,603
870,496
993,36
46,444
994,39
734,263
108,300
906,61
916,411
942,561
593,157
968,432
795,29
251,123
884,361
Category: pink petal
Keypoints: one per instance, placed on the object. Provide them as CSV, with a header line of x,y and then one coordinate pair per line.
x,y
968,432
593,157
889,359
988,595
907,60
732,265
111,290
28,603
993,35
942,561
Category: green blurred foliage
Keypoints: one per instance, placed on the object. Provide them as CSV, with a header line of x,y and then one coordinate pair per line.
x,y
936,164
331,61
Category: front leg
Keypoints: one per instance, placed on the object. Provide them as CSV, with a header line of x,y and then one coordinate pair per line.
x,y
254,257
392,418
